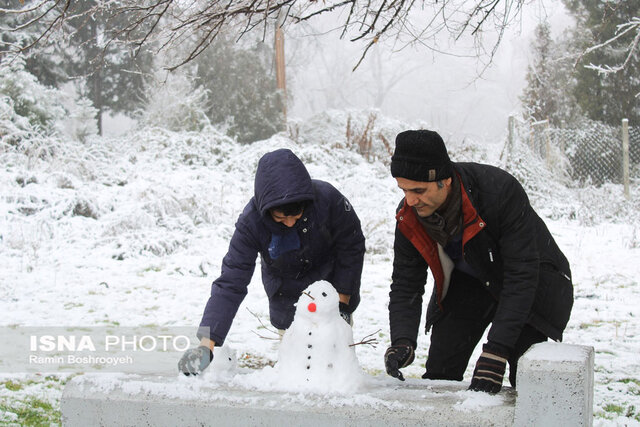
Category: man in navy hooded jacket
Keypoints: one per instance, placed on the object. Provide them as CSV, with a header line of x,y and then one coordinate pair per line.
x,y
304,230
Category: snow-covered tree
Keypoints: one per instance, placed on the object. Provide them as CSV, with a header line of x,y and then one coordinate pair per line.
x,y
110,72
47,62
82,121
27,105
608,68
29,108
243,98
538,99
103,66
550,81
174,102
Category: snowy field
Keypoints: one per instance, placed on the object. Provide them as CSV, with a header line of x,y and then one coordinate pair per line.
x,y
132,231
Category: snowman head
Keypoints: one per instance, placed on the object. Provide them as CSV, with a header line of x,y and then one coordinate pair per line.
x,y
319,300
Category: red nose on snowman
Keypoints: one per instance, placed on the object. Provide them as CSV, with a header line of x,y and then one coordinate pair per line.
x,y
312,307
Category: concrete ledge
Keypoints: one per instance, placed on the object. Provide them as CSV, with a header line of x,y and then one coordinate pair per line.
x,y
163,401
565,372
555,386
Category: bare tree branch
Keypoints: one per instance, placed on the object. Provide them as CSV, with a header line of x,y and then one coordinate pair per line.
x,y
49,29
194,25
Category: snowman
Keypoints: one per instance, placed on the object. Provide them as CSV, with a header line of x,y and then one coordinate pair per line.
x,y
317,350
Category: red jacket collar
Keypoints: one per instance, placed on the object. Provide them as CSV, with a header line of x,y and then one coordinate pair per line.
x,y
410,227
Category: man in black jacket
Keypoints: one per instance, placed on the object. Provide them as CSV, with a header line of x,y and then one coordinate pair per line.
x,y
493,260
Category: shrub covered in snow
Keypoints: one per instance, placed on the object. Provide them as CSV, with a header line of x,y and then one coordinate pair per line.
x,y
27,108
34,117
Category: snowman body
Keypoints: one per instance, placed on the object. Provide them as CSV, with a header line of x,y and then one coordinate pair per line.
x,y
317,350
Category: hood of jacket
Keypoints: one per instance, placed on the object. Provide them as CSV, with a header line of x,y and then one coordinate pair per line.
x,y
281,178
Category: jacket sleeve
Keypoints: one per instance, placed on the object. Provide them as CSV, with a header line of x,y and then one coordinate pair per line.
x,y
520,256
228,290
407,288
348,246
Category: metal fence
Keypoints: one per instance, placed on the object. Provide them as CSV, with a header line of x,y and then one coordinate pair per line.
x,y
593,153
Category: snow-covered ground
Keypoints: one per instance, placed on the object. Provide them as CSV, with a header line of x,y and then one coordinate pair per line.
x,y
131,231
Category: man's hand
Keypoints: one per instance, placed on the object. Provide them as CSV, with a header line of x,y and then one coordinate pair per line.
x,y
398,356
489,371
195,360
344,313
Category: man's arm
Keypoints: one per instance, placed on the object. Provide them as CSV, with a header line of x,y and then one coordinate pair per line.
x,y
407,288
517,224
521,258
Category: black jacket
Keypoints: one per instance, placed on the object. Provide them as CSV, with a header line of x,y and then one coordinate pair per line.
x,y
507,245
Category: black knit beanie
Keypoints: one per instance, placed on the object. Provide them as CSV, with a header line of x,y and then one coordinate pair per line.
x,y
420,155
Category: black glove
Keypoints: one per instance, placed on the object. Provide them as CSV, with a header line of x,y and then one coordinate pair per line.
x,y
195,360
489,371
398,356
344,313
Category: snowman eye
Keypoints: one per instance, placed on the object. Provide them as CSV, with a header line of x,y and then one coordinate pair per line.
x,y
324,294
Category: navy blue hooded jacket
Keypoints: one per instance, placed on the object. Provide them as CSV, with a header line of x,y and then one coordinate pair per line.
x,y
326,243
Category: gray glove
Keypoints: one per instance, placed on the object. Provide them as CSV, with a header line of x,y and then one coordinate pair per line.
x,y
195,360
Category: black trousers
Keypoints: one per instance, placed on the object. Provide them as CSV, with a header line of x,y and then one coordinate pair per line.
x,y
468,310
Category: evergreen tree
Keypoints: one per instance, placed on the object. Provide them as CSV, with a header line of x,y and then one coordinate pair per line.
x,y
46,62
550,81
103,67
606,97
243,97
26,106
110,71
537,99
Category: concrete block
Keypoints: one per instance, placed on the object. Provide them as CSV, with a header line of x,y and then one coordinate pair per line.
x,y
555,386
